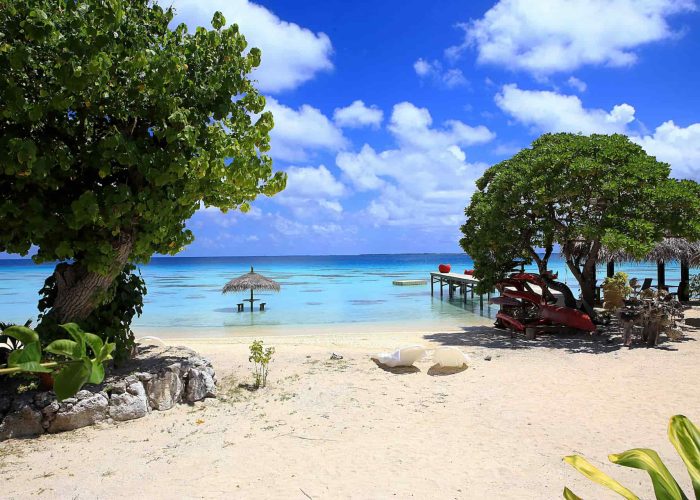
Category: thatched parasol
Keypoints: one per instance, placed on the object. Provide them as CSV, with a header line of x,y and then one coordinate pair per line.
x,y
251,281
687,253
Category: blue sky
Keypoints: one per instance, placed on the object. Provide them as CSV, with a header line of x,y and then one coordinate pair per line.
x,y
386,112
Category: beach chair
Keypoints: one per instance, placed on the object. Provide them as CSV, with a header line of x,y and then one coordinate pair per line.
x,y
240,307
646,285
262,306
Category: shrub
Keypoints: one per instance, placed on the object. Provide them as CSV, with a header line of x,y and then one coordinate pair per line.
x,y
684,436
80,366
122,301
260,358
616,290
694,286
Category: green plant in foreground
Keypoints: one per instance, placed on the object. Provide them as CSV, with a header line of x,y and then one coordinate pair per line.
x,y
260,358
684,436
694,286
70,375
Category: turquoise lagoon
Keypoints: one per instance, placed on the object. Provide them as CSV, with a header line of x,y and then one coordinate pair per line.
x,y
319,293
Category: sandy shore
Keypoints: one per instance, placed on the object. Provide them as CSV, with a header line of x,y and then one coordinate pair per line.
x,y
348,429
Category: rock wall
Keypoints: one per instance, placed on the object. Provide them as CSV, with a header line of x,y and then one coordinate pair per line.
x,y
157,378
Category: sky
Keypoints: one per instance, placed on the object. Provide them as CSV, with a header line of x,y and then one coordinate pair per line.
x,y
386,112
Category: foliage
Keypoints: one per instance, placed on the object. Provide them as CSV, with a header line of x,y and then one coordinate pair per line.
x,y
260,357
684,436
581,192
7,343
121,302
70,375
116,128
616,290
694,286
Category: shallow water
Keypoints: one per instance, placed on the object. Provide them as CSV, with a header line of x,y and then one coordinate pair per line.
x,y
326,290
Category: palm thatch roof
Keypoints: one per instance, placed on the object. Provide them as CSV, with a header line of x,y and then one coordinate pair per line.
x,y
251,281
667,250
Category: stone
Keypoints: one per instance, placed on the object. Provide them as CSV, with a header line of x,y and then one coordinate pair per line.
x,y
200,385
165,390
25,422
144,377
487,358
336,356
43,399
83,394
5,404
131,404
85,412
117,387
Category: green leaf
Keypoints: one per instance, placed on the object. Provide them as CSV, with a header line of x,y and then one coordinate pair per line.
x,y
71,378
94,342
34,367
686,438
97,374
665,486
570,495
79,336
21,333
64,347
30,353
105,353
594,474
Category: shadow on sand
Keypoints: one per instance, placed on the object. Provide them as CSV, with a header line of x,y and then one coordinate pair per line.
x,y
493,338
441,371
399,370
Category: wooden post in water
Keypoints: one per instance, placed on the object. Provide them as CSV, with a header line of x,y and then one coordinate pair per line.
x,y
661,274
683,290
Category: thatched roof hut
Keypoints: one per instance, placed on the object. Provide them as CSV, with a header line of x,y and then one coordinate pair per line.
x,y
251,281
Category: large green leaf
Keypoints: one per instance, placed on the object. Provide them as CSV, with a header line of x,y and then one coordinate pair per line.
x,y
686,438
570,495
594,474
30,353
21,333
97,374
79,336
94,342
71,378
33,366
665,486
105,353
64,347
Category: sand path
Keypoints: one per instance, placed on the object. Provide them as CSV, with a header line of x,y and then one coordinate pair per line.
x,y
348,429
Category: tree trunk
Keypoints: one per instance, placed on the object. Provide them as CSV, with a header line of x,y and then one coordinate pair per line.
x,y
79,291
588,283
569,299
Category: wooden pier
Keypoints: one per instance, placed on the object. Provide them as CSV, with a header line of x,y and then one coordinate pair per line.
x,y
456,282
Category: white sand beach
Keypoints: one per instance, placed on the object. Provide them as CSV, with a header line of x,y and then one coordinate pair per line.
x,y
349,429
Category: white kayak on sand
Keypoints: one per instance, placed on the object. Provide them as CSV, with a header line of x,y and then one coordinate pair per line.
x,y
405,356
449,357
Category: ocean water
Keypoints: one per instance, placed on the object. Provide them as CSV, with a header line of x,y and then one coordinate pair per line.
x,y
184,294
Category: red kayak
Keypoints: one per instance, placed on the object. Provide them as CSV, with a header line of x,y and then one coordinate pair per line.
x,y
567,317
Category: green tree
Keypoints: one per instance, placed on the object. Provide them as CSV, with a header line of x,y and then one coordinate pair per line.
x,y
114,130
582,193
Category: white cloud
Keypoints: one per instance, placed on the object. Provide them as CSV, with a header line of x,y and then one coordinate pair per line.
x,y
358,115
310,181
291,54
549,36
549,111
449,78
677,146
299,132
411,126
426,181
577,84
311,192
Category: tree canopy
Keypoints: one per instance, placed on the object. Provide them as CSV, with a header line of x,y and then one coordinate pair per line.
x,y
115,129
578,192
